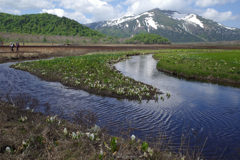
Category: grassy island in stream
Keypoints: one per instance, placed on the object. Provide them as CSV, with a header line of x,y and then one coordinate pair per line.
x,y
93,73
213,65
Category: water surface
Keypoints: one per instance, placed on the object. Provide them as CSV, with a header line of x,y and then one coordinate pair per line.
x,y
203,110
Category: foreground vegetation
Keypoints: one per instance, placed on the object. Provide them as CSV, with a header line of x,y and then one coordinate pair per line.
x,y
26,134
93,73
213,65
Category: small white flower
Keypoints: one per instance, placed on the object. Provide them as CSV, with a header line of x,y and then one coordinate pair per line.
x,y
65,131
59,122
22,119
28,108
24,143
95,129
79,134
133,137
74,136
145,155
8,150
150,151
88,134
92,137
101,152
51,119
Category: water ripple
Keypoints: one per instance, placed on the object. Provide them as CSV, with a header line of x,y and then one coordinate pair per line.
x,y
199,111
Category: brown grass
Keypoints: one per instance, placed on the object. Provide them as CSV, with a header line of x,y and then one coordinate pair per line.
x,y
38,39
47,140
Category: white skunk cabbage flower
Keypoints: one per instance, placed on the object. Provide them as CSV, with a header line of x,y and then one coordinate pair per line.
x,y
95,129
92,137
24,143
59,122
145,155
51,119
150,151
65,131
101,152
88,134
8,150
133,137
22,119
182,158
74,136
79,134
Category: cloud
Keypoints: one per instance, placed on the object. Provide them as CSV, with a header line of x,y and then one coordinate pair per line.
x,y
10,11
99,9
139,6
27,4
86,11
207,3
78,16
219,17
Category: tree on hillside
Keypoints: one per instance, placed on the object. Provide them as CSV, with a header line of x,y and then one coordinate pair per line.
x,y
148,38
44,24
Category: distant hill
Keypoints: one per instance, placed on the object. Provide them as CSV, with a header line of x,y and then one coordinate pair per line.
x,y
173,25
148,38
44,24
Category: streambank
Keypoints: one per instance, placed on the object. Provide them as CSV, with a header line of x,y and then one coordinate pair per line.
x,y
216,66
30,135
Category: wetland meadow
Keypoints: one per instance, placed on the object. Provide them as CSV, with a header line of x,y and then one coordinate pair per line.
x,y
145,102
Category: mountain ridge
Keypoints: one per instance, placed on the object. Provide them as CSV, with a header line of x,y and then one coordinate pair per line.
x,y
173,25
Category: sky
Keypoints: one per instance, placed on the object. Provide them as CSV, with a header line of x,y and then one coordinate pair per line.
x,y
226,12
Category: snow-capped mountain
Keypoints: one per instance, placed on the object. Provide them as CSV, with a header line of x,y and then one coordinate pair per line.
x,y
173,25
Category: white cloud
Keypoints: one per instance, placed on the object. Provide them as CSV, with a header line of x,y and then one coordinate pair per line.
x,y
10,11
207,3
139,6
27,4
78,16
219,16
86,11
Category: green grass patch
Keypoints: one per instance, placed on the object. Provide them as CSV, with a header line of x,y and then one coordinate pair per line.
x,y
94,73
216,65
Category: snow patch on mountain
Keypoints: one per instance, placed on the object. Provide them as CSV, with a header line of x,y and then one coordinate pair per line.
x,y
151,23
192,18
139,24
227,27
118,21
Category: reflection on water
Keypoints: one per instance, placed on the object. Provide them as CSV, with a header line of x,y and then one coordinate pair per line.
x,y
208,110
202,109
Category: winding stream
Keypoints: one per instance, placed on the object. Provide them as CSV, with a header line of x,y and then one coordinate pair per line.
x,y
203,110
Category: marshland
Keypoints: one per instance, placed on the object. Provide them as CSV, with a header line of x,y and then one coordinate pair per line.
x,y
191,118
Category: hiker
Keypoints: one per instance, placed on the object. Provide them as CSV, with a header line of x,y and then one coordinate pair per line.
x,y
12,45
2,43
17,44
